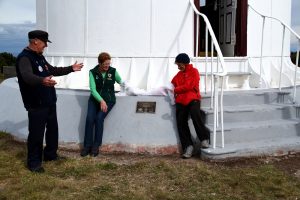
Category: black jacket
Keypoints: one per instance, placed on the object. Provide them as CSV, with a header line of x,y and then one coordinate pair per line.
x,y
38,95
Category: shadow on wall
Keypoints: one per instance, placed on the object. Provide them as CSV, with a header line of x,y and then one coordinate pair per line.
x,y
83,104
172,118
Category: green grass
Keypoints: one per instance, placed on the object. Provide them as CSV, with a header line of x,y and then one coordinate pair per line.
x,y
144,177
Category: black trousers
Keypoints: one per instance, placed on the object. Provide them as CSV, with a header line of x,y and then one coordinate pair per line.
x,y
198,118
39,120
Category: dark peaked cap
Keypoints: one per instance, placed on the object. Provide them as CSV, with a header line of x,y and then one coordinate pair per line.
x,y
39,34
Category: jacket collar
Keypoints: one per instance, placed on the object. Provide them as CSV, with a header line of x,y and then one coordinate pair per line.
x,y
188,67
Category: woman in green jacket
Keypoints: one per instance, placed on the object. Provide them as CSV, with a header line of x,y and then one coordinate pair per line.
x,y
101,101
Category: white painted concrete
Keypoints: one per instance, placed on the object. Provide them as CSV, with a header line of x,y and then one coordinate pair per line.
x,y
125,130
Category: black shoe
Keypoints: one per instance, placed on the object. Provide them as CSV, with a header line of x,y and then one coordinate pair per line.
x,y
57,158
95,151
60,158
37,169
84,152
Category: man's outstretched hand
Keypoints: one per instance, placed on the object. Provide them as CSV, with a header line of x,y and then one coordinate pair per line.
x,y
77,66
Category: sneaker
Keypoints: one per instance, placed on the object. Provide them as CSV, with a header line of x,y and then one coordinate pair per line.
x,y
204,144
85,152
188,152
95,151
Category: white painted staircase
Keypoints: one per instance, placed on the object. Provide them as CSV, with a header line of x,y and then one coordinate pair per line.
x,y
256,122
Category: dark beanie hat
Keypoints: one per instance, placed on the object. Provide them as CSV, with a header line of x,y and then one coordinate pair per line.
x,y
42,35
182,58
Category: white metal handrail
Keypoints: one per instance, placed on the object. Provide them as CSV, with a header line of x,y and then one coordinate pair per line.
x,y
285,27
213,38
215,76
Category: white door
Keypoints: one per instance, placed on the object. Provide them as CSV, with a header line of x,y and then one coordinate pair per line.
x,y
227,36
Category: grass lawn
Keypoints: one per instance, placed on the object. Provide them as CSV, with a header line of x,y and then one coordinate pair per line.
x,y
131,176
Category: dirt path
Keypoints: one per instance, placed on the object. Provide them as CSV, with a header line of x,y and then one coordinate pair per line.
x,y
289,163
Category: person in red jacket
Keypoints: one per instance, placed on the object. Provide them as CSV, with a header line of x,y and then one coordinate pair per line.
x,y
188,100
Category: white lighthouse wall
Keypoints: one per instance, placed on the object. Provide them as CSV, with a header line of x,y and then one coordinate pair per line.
x,y
272,44
273,31
132,31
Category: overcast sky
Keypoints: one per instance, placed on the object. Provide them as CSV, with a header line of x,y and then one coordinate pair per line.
x,y
17,17
17,11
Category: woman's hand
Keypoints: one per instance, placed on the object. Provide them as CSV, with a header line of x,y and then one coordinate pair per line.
x,y
103,106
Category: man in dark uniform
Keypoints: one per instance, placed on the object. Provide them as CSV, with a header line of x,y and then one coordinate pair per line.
x,y
39,97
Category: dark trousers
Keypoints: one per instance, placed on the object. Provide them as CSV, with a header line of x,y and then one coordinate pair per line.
x,y
198,118
39,120
95,118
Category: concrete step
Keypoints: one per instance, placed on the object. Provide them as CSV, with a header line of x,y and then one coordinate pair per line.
x,y
241,132
253,113
250,97
270,146
260,122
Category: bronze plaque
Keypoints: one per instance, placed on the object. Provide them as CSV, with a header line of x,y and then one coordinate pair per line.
x,y
145,107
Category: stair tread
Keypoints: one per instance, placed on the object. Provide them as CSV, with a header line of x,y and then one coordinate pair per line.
x,y
256,124
251,91
256,147
250,108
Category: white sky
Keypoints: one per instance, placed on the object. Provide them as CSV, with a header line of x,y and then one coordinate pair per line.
x,y
17,11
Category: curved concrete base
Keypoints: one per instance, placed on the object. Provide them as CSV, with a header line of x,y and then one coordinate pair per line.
x,y
265,130
125,130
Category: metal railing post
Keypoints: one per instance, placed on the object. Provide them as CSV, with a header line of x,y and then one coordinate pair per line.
x,y
211,72
197,37
221,112
216,80
217,89
206,56
295,77
281,63
261,51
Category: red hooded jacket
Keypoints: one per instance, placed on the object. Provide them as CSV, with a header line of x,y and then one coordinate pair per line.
x,y
186,85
